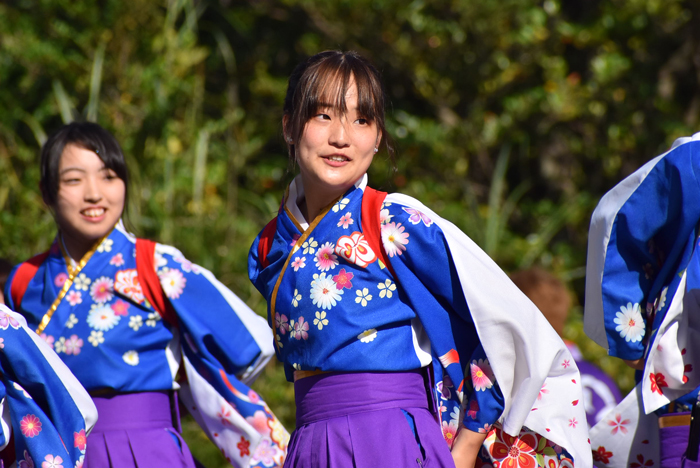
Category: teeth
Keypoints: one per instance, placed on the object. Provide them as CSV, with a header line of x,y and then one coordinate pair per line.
x,y
338,158
94,212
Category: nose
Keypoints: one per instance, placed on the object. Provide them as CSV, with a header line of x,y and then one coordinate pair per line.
x,y
92,193
338,135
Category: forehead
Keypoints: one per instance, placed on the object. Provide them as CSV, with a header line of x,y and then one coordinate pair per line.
x,y
76,157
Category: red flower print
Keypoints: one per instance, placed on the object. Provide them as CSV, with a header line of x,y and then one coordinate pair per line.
x,y
602,455
642,463
473,409
80,440
342,279
658,381
30,426
224,414
686,369
618,424
244,446
515,452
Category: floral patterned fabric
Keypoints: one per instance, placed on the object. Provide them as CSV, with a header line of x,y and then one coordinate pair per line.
x,y
113,339
47,406
335,306
643,277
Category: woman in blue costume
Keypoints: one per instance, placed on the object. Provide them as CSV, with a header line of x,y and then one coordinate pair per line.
x,y
45,411
643,277
380,307
126,315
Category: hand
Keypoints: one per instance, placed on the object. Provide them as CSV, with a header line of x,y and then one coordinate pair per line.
x,y
466,447
636,364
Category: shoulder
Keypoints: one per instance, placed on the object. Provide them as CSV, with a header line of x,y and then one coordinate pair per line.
x,y
400,208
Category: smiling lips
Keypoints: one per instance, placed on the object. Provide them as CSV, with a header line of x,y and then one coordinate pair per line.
x,y
93,213
336,159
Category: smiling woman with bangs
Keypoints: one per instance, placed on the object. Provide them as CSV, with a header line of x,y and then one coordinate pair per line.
x,y
126,314
398,332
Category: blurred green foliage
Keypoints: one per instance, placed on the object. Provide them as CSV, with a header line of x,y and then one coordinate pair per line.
x,y
511,117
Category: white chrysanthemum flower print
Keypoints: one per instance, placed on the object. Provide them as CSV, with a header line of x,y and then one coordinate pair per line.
x,y
102,318
320,321
135,322
367,335
324,292
72,320
309,246
325,259
630,323
96,338
106,246
386,289
173,282
341,205
296,298
394,238
82,282
131,358
363,297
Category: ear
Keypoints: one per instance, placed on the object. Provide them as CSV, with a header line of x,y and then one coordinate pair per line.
x,y
379,138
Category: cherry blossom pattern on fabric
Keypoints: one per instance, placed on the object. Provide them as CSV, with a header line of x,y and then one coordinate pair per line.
x,y
629,322
355,249
417,216
482,374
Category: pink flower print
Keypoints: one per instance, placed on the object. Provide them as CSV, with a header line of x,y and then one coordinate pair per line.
x,y
566,363
60,279
74,298
73,345
80,440
102,290
295,238
51,461
449,431
253,397
394,238
281,322
259,422
28,462
618,424
265,453
300,329
30,426
543,391
299,262
346,220
482,375
416,216
485,429
573,423
342,279
325,258
117,260
224,414
120,307
7,320
48,338
473,409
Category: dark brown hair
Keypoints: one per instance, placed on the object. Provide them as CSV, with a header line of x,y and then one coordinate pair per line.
x,y
86,135
324,79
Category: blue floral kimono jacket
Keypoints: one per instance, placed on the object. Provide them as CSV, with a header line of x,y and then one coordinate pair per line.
x,y
96,318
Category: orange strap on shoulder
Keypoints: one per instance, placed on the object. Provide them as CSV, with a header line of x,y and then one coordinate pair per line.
x,y
371,225
24,274
150,283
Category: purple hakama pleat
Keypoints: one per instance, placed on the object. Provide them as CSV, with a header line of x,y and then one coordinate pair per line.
x,y
136,430
358,420
673,442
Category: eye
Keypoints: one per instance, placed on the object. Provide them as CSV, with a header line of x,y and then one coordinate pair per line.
x,y
362,121
70,180
322,116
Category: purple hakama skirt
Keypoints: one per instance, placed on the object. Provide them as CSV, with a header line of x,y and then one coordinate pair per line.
x,y
362,419
673,442
136,430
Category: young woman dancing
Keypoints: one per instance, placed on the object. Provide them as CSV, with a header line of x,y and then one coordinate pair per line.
x,y
125,314
398,331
